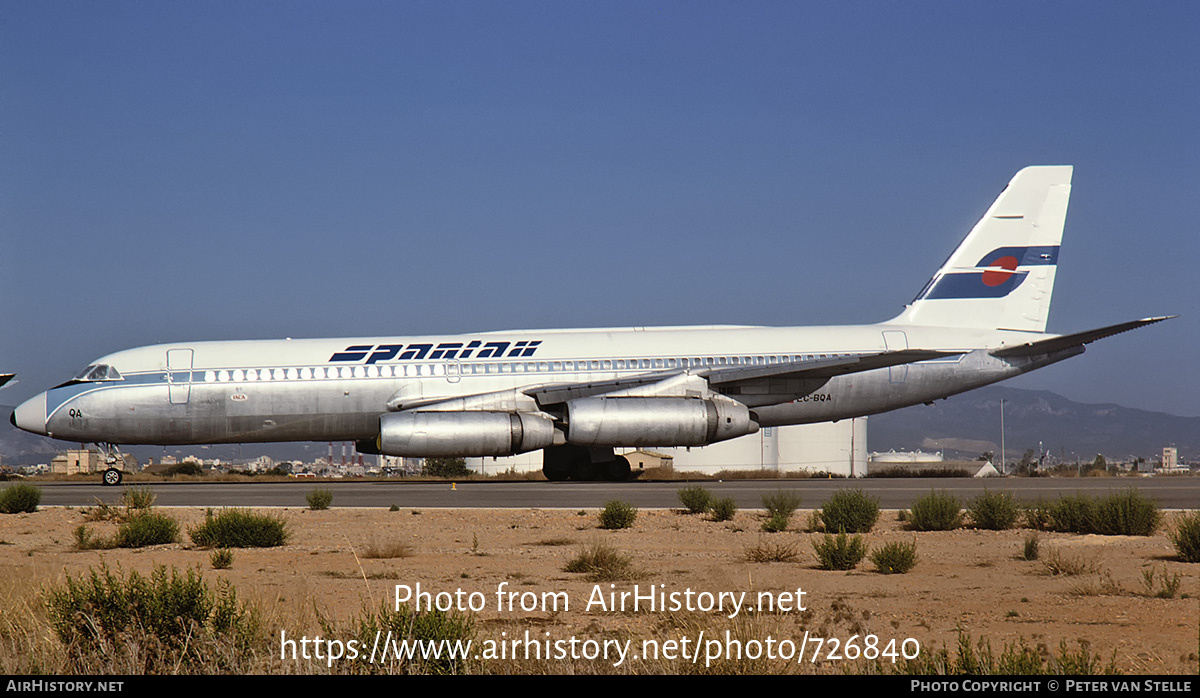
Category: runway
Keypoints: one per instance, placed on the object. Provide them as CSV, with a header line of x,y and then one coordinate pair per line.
x,y
893,493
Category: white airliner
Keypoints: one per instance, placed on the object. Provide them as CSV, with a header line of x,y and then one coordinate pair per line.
x,y
577,394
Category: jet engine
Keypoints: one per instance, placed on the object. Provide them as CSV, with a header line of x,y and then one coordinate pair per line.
x,y
656,421
441,434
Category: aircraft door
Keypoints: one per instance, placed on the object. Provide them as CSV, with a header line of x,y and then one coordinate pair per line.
x,y
896,340
179,375
453,371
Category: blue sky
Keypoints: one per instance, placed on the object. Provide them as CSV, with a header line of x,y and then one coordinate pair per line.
x,y
221,170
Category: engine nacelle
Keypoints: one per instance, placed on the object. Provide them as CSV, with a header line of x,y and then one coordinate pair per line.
x,y
450,434
656,421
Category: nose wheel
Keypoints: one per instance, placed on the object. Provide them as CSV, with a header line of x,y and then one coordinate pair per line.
x,y
112,458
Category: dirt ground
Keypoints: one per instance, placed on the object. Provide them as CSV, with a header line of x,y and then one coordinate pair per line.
x,y
966,581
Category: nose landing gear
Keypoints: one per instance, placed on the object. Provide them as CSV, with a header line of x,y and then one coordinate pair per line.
x,y
114,461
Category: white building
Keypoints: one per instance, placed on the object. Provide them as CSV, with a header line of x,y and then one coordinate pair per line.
x,y
839,448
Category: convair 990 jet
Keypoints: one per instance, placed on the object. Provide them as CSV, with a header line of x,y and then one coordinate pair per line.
x,y
578,394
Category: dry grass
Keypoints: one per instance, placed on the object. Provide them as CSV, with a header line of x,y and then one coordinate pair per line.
x,y
376,549
312,585
1058,563
772,551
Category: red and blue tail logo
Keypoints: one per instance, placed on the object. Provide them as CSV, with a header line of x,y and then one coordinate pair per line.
x,y
995,276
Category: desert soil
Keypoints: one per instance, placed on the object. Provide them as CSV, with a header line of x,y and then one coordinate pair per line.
x,y
966,581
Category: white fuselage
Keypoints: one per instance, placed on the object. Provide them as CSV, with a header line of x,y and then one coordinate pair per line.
x,y
335,389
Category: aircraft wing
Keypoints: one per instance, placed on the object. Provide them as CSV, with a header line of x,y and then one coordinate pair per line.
x,y
724,378
1067,341
561,392
822,368
6,377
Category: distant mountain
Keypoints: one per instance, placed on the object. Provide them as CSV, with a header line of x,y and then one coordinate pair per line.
x,y
968,424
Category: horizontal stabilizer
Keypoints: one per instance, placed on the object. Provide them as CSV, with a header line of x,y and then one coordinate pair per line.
x,y
1049,346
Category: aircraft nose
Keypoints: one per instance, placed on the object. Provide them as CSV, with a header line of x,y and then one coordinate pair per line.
x,y
31,415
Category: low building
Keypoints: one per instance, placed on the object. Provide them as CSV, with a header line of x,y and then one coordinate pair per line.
x,y
76,462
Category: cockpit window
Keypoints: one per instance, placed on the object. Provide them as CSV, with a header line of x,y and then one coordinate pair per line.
x,y
99,372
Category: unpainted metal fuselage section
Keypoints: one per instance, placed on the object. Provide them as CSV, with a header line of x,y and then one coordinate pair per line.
x,y
980,319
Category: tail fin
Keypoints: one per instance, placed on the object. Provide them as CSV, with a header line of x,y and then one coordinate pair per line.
x,y
1002,274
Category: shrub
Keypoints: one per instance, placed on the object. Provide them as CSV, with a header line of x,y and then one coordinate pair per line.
x,y
20,499
775,524
1071,514
840,552
1167,587
239,528
850,511
1186,537
84,540
1031,547
895,557
780,506
1128,513
445,467
936,511
147,528
1037,516
696,500
978,659
602,563
103,611
319,499
995,511
724,509
137,498
184,469
617,514
430,627
221,559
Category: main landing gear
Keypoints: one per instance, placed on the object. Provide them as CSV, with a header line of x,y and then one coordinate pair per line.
x,y
582,464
